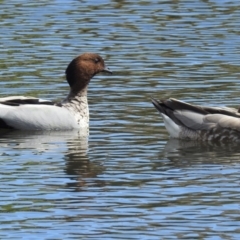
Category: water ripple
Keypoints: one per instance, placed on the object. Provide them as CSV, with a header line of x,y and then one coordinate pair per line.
x,y
127,180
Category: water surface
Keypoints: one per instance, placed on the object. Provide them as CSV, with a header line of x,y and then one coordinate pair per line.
x,y
127,180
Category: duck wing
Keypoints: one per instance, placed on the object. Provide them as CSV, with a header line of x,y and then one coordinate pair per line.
x,y
20,100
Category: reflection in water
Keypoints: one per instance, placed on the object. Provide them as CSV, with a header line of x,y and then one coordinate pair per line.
x,y
78,166
186,153
72,144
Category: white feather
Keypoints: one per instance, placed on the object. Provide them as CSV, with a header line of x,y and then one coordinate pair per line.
x,y
172,128
41,117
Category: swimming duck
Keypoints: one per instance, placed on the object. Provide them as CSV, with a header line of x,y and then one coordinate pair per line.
x,y
187,121
29,113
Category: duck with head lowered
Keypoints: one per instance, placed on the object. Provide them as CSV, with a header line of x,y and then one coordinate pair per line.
x,y
201,123
29,113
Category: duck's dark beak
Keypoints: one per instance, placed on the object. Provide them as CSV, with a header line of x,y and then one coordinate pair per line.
x,y
106,69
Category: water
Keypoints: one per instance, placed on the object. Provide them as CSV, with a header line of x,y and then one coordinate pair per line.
x,y
127,180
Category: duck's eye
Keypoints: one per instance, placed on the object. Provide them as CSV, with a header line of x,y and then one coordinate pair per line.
x,y
96,60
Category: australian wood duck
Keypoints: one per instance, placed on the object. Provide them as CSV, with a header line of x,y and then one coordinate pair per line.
x,y
187,121
29,113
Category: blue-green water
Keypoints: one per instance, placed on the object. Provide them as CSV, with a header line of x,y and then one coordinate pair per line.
x,y
127,181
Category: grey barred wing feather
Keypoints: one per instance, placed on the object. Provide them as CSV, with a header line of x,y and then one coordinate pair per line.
x,y
225,122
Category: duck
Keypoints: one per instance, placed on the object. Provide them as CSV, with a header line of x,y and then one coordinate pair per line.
x,y
202,123
30,113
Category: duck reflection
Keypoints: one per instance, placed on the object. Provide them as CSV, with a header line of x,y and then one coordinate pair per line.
x,y
72,144
185,153
79,168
